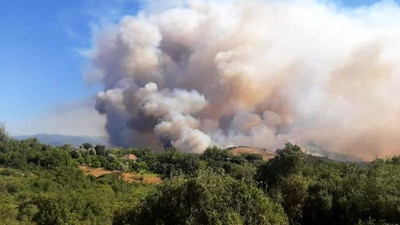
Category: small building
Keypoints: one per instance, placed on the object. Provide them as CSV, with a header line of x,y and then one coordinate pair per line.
x,y
130,157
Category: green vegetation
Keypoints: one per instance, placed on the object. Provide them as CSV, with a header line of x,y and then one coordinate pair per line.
x,y
41,184
206,198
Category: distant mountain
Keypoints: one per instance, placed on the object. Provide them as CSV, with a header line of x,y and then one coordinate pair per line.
x,y
318,150
315,153
58,139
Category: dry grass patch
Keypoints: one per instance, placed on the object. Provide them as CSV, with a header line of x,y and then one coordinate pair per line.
x,y
96,172
127,177
141,178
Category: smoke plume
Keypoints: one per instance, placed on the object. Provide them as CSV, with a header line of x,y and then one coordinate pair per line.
x,y
254,73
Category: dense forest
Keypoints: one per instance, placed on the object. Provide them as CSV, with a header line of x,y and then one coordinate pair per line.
x,y
41,184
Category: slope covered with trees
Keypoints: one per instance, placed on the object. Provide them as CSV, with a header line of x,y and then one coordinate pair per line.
x,y
40,184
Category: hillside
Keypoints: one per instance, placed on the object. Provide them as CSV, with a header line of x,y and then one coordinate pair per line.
x,y
42,184
239,150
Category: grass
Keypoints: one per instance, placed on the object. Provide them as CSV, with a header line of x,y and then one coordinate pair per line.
x,y
126,176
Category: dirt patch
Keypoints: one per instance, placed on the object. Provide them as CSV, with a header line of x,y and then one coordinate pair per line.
x,y
266,155
127,177
96,172
141,178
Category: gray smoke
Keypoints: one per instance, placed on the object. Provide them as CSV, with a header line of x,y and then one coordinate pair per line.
x,y
254,73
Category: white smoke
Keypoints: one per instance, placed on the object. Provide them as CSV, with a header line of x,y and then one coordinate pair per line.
x,y
254,73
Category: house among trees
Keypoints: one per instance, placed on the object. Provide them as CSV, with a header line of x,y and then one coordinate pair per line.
x,y
131,157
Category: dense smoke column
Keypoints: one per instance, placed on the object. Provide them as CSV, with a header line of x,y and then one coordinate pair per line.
x,y
254,73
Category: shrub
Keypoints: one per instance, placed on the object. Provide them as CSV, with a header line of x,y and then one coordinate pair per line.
x,y
205,199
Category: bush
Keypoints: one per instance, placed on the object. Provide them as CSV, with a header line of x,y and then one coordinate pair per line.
x,y
111,158
87,146
75,153
100,149
287,161
91,151
3,133
205,199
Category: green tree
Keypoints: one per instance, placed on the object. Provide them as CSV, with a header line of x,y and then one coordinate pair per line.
x,y
293,193
87,146
52,211
91,151
205,199
75,153
100,149
287,161
3,133
216,154
111,158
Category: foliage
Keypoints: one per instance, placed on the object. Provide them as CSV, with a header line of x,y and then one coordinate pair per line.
x,y
100,149
3,133
286,162
87,146
42,184
207,198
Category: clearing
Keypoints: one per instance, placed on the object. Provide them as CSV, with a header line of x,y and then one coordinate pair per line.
x,y
127,177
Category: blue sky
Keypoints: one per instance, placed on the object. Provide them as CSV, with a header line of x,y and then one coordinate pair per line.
x,y
40,64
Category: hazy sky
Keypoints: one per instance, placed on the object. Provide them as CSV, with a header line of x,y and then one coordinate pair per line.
x,y
42,89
